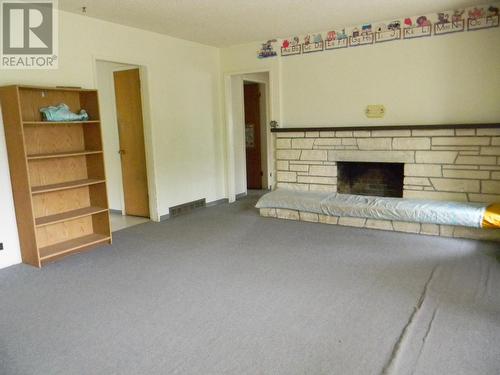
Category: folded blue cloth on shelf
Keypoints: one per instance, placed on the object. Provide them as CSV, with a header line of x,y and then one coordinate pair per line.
x,y
61,112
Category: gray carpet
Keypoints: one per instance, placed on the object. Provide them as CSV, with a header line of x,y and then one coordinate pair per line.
x,y
224,291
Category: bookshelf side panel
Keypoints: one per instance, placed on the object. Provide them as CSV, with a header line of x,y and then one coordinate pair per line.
x,y
14,136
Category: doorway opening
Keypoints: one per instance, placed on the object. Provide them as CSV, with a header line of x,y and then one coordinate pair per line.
x,y
254,118
121,99
248,133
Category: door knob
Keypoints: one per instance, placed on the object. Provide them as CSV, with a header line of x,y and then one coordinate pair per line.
x,y
121,152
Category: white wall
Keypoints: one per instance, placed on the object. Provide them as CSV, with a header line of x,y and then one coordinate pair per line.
x,y
184,99
442,79
8,227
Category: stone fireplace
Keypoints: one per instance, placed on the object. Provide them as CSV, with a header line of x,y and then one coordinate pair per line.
x,y
441,162
436,162
367,178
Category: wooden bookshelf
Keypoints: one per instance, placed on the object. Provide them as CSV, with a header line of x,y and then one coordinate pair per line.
x,y
57,172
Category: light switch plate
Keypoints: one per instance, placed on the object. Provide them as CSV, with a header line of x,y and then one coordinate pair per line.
x,y
375,111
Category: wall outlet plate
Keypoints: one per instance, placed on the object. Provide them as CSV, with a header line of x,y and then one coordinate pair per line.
x,y
375,111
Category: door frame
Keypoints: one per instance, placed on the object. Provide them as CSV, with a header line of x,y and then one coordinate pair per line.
x,y
264,125
258,131
230,127
147,126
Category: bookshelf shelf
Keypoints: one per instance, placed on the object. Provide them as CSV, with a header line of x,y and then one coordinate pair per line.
x,y
62,154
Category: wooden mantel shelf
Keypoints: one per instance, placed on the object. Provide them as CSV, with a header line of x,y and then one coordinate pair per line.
x,y
386,127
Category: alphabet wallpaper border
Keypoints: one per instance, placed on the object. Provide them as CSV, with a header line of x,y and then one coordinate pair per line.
x,y
430,25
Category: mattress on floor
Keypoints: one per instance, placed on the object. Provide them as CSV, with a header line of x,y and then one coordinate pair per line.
x,y
477,215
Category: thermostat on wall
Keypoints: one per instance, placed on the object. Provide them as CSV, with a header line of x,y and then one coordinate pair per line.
x,y
375,111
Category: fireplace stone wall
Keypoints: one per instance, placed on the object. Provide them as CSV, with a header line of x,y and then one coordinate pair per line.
x,y
455,164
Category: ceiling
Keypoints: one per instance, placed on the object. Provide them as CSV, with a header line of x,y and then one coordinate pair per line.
x,y
229,22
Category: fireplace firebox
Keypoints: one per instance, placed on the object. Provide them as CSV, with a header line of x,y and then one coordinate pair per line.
x,y
376,179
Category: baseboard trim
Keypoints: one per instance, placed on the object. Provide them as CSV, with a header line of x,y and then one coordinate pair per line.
x,y
217,202
207,204
241,195
118,212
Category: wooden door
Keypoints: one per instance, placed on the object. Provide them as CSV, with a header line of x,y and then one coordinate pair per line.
x,y
132,150
252,135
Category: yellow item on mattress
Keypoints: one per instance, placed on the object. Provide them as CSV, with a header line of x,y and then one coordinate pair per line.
x,y
491,218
